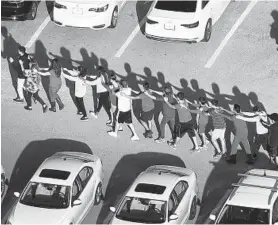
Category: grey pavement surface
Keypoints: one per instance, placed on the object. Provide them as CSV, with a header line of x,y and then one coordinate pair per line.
x,y
246,70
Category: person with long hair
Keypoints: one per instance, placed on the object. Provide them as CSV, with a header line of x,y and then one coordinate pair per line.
x,y
54,72
32,87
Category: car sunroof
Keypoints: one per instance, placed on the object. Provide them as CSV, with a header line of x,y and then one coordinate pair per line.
x,y
150,188
54,174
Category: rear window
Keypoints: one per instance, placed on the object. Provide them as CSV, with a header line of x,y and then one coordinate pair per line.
x,y
150,188
55,174
177,6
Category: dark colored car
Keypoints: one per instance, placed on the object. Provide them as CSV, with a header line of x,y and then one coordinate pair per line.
x,y
19,10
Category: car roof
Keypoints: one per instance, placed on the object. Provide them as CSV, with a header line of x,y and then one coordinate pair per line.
x,y
154,177
257,189
71,162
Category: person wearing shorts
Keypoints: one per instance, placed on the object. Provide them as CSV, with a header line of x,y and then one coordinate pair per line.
x,y
185,124
147,111
219,125
124,111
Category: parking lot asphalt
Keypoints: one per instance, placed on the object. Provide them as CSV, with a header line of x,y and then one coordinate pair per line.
x,y
245,71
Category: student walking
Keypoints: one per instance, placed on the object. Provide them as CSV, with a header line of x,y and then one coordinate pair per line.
x,y
202,119
22,65
185,124
79,77
272,140
54,72
147,111
124,111
31,86
241,136
219,128
103,93
261,132
169,114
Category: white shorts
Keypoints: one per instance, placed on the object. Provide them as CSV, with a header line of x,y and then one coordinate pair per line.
x,y
218,134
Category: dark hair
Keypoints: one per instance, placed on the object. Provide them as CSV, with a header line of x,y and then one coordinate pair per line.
x,y
55,65
214,102
274,116
22,49
237,108
167,90
146,85
181,95
82,71
124,82
203,100
256,108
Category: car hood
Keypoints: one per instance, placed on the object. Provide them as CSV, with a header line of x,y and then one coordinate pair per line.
x,y
24,214
170,15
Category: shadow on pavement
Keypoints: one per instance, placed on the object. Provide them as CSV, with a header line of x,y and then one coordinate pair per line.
x,y
29,161
142,9
274,27
49,7
221,178
126,171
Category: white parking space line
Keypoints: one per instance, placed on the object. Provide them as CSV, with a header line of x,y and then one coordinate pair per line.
x,y
37,33
215,55
130,38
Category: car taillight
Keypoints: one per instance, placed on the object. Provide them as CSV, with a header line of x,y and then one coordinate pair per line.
x,y
151,21
191,25
100,9
59,6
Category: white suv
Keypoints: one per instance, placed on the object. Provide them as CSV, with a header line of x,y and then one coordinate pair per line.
x,y
253,200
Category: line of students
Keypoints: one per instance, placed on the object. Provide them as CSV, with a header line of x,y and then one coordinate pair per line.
x,y
116,98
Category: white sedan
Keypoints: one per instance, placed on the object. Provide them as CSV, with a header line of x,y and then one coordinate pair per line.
x,y
87,14
183,20
159,195
61,191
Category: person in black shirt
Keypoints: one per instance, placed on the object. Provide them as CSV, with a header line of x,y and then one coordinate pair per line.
x,y
24,63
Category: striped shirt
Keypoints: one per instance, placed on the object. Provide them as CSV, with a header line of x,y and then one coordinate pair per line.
x,y
218,119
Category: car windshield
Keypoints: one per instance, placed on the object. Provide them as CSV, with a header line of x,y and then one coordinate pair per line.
x,y
244,215
46,196
177,6
142,210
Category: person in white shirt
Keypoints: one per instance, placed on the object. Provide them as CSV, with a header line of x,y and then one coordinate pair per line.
x,y
262,132
79,77
102,91
124,111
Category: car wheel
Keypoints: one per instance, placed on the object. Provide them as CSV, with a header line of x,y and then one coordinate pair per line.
x,y
114,18
193,209
98,194
33,12
208,31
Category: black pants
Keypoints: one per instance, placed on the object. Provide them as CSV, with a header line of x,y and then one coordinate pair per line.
x,y
80,105
35,96
260,140
104,101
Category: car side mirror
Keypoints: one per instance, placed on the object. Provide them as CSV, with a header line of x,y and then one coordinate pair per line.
x,y
112,209
212,217
16,194
77,202
173,217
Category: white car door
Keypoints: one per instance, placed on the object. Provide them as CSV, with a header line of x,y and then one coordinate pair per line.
x,y
218,7
78,210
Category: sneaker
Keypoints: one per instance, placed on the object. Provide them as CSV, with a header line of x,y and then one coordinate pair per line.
x,y
173,146
18,100
120,128
28,108
93,114
44,108
84,118
217,155
109,123
160,140
195,150
203,147
112,134
135,138
225,155
79,113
